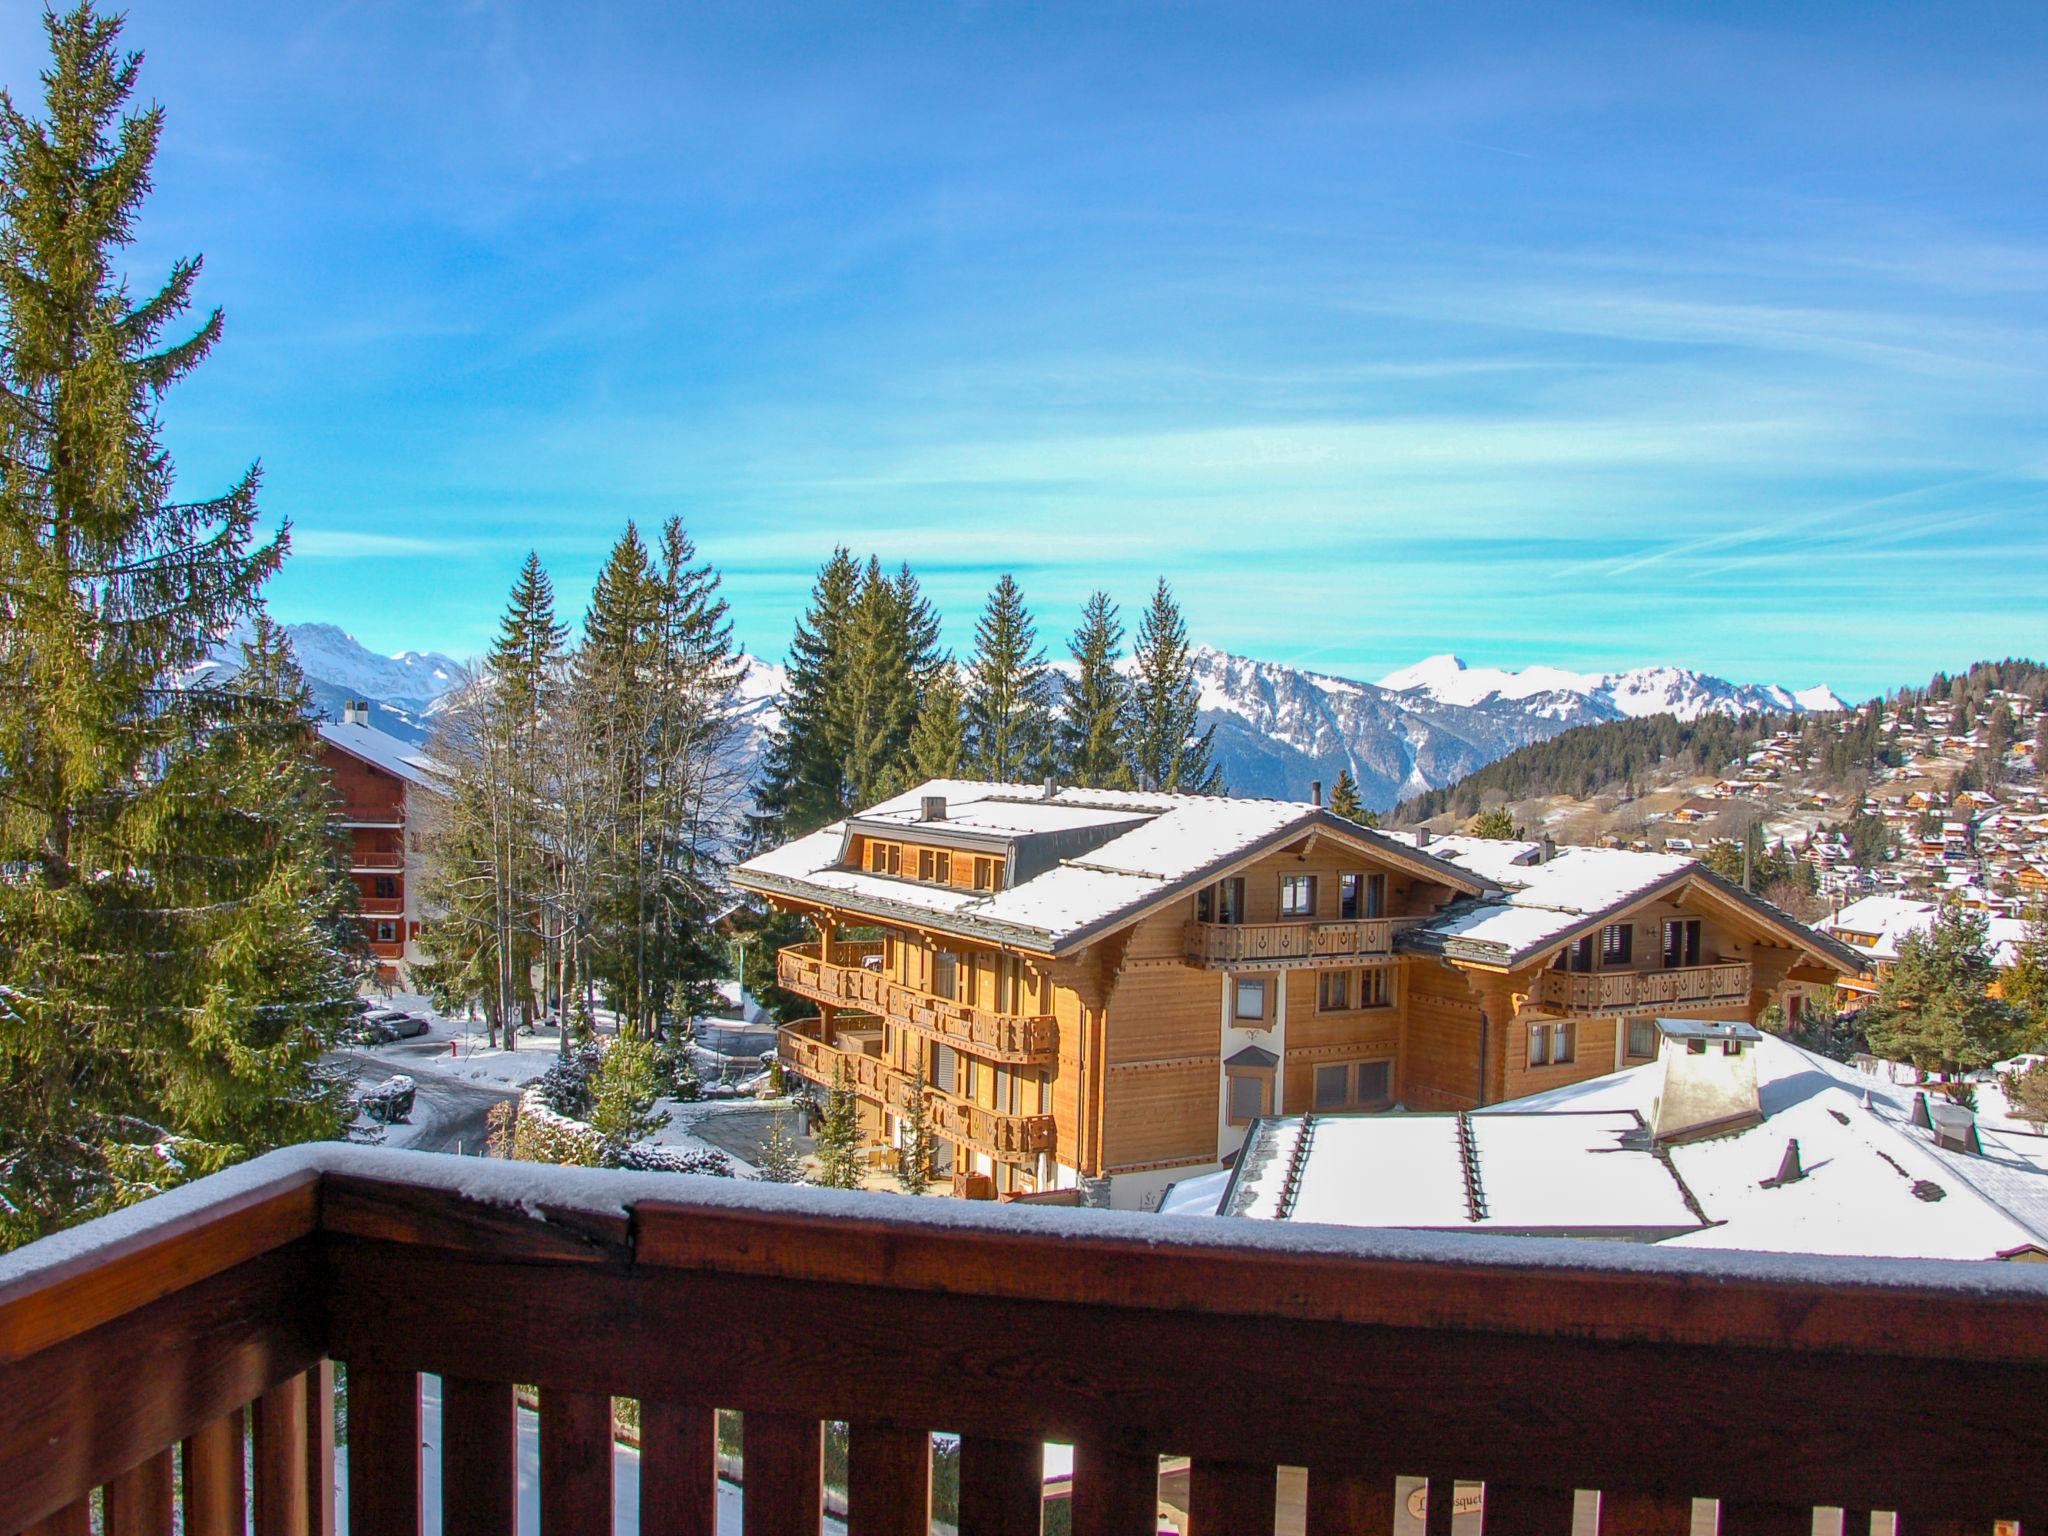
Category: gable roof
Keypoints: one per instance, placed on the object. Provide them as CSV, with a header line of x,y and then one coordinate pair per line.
x,y
1159,848
1553,901
385,752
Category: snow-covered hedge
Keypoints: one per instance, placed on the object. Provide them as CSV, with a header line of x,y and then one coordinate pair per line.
x,y
543,1136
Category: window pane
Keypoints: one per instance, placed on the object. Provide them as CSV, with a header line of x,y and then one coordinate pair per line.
x,y
1642,1037
1336,990
1347,895
1539,1044
1375,1082
1297,895
1333,1087
1375,895
1251,999
1247,1097
1563,1051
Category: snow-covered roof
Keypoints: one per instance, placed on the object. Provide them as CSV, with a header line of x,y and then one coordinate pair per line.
x,y
1545,903
381,750
1157,847
1592,1174
1872,1183
1889,919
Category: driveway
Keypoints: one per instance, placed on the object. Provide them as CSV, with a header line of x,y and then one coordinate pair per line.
x,y
453,1115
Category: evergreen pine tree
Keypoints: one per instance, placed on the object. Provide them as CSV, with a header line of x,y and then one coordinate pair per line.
x,y
1345,802
1009,712
1934,1006
1089,733
839,1136
777,1161
168,951
938,742
914,1159
1166,750
803,780
876,707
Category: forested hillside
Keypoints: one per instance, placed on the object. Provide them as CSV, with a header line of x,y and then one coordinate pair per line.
x,y
1622,755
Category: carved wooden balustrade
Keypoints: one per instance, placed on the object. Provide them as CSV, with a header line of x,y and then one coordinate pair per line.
x,y
1682,987
847,979
1537,1368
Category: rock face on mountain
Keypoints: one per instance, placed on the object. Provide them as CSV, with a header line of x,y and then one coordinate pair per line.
x,y
1278,729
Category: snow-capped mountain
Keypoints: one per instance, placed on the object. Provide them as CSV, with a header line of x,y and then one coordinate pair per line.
x,y
1277,728
404,691
1614,695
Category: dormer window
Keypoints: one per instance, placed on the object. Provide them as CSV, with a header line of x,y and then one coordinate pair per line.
x,y
935,866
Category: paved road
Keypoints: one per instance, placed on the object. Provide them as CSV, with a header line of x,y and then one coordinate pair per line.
x,y
460,1110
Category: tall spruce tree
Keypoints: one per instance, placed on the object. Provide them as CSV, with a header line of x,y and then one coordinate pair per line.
x,y
877,702
1009,692
803,781
938,742
1166,748
169,962
1089,733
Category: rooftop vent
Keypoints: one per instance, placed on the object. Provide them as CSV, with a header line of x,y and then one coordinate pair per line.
x,y
1422,837
355,712
931,808
1955,1127
1315,793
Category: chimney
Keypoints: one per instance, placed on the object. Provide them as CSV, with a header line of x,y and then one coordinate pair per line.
x,y
1709,1086
1315,793
1052,787
355,712
1422,837
1549,849
931,808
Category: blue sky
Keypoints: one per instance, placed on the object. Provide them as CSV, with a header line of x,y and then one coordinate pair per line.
x,y
1593,335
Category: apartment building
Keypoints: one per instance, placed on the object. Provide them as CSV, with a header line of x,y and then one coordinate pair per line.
x,y
1102,991
386,788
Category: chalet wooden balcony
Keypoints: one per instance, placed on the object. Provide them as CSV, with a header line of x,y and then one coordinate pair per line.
x,y
1292,945
1007,1138
844,979
381,906
375,858
1534,1367
1674,991
358,814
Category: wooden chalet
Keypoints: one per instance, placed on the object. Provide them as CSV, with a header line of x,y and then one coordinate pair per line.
x,y
1104,990
385,787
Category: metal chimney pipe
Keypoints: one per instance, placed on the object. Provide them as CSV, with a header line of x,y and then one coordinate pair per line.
x,y
1315,793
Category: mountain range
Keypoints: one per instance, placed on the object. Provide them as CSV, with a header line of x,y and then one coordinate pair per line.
x,y
1278,729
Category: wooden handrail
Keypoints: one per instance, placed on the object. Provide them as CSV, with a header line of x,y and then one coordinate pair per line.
x,y
1011,1039
1300,942
1535,1366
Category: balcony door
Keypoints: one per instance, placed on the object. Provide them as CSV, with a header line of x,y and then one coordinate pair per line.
x,y
1222,902
1681,942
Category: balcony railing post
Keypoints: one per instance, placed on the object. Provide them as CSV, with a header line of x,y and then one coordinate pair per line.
x,y
575,1463
215,1495
383,1451
1116,1492
888,1481
1002,1487
138,1502
282,1505
678,1468
320,1449
782,1466
1356,1504
479,1458
1229,1498
1538,1511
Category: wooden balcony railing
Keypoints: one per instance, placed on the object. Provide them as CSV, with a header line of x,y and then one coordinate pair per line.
x,y
1691,986
1007,1138
379,814
381,906
1535,1367
375,858
845,980
1281,946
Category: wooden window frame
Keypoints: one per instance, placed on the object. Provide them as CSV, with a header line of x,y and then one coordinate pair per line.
x,y
1539,1045
1688,932
1617,945
1292,882
1564,1043
1221,902
1344,1003
1354,1097
1350,895
1232,1076
1630,1026
1376,979
1237,986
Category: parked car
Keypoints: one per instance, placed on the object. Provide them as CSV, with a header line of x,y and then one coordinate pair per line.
x,y
389,1102
403,1025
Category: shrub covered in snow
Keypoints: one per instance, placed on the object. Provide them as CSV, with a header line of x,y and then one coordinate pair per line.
x,y
565,1087
647,1157
543,1136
